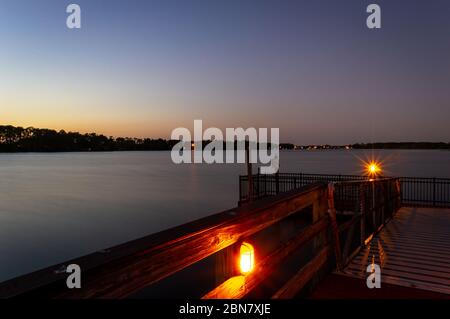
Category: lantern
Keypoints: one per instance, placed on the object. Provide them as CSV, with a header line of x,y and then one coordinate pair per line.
x,y
247,258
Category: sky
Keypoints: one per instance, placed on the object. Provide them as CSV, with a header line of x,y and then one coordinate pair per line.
x,y
313,69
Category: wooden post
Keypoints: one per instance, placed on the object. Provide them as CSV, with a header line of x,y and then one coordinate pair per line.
x,y
334,226
374,221
385,201
363,214
348,242
249,172
320,242
224,264
399,195
320,208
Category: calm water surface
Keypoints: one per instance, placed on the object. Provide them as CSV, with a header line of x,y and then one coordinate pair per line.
x,y
54,207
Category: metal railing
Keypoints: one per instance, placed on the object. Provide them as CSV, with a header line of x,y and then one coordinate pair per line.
x,y
415,191
425,192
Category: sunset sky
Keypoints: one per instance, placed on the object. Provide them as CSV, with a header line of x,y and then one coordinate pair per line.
x,y
312,68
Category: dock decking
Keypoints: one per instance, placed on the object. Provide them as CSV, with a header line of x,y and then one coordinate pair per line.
x,y
412,250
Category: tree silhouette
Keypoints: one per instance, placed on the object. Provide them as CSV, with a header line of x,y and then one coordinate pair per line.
x,y
19,139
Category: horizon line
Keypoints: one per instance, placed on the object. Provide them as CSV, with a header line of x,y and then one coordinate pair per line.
x,y
281,143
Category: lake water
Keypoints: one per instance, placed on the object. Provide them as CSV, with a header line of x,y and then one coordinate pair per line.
x,y
54,207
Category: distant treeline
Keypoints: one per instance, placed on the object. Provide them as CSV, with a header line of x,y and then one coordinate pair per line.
x,y
404,145
19,139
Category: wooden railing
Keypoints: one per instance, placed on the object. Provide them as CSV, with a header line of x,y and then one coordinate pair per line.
x,y
364,207
317,232
123,270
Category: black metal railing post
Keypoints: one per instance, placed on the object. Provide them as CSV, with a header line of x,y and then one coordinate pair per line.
x,y
277,182
434,192
258,195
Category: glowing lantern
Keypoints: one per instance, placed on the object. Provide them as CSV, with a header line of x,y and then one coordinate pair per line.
x,y
247,258
373,169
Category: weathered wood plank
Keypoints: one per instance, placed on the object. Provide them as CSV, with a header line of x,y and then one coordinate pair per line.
x,y
401,273
347,244
409,268
334,227
296,283
409,260
414,251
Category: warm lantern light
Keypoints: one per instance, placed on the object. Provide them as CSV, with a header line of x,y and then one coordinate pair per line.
x,y
247,258
373,169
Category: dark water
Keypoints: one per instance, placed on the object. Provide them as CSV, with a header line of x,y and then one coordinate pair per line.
x,y
54,207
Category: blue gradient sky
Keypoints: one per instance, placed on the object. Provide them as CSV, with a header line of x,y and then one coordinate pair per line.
x,y
311,68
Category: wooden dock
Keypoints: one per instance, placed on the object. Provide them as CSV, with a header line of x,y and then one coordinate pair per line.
x,y
413,250
341,225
